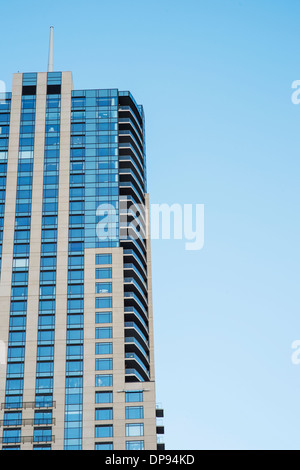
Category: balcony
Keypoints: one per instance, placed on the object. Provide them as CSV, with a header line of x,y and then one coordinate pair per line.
x,y
132,361
125,148
131,188
132,375
131,256
133,345
132,329
132,314
126,111
127,123
135,285
131,136
131,299
131,270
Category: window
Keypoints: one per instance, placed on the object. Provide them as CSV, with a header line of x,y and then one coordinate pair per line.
x,y
12,418
76,261
102,414
75,320
11,435
75,290
76,275
73,352
104,397
43,417
42,447
134,396
74,367
104,348
46,321
44,385
44,368
104,446
16,353
14,401
104,332
134,412
103,380
20,278
49,262
104,364
19,307
75,306
20,263
134,429
134,445
104,317
104,431
45,336
19,292
104,259
103,288
47,291
11,448
76,246
42,435
103,273
14,386
17,337
47,306
45,351
103,302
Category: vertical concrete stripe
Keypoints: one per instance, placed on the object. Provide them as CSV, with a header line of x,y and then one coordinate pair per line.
x,y
9,220
62,261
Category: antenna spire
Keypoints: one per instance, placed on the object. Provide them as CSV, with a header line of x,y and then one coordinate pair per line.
x,y
50,61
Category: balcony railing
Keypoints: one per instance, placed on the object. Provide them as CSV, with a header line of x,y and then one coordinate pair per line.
x,y
135,373
27,439
28,404
26,422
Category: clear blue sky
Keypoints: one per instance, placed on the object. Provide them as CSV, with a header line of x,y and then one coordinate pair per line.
x,y
215,79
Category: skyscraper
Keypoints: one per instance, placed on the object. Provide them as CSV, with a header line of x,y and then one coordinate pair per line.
x,y
75,289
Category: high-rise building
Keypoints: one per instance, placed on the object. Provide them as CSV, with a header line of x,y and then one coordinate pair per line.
x,y
75,290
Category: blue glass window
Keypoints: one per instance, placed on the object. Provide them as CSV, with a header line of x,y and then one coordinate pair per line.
x,y
104,431
11,435
103,364
43,417
42,435
102,414
103,302
103,380
103,273
104,259
104,348
135,445
12,418
134,396
104,446
134,412
134,429
103,288
103,332
104,397
104,317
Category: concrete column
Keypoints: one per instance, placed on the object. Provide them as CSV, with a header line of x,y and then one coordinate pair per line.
x,y
9,221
